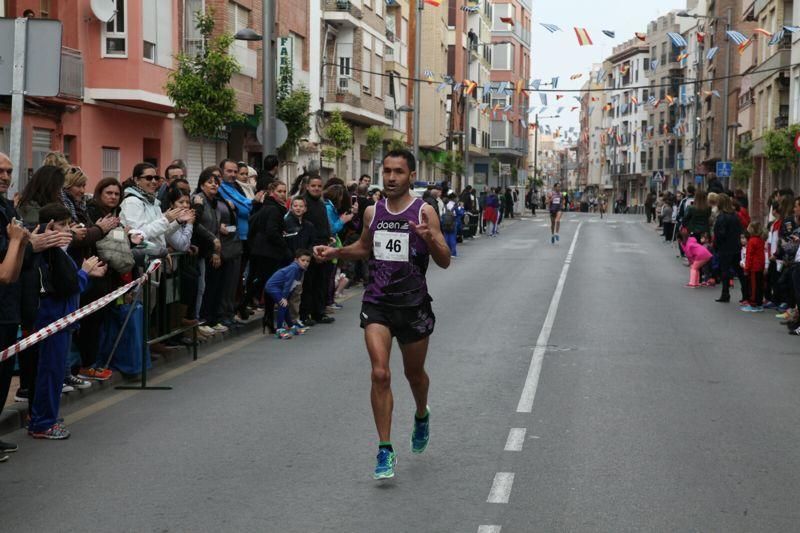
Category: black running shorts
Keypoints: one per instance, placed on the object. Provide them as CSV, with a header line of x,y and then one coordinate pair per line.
x,y
407,324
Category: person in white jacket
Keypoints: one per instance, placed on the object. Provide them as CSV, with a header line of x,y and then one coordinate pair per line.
x,y
141,210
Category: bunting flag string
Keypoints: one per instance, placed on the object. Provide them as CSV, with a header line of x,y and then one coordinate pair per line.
x,y
552,28
677,40
554,82
711,53
736,37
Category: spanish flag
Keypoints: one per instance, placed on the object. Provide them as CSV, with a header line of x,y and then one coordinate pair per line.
x,y
583,37
434,3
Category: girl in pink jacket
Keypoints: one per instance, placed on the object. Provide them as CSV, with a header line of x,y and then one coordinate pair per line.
x,y
698,255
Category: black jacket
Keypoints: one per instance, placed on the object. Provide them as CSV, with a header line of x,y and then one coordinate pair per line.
x,y
266,231
11,294
727,231
318,216
299,234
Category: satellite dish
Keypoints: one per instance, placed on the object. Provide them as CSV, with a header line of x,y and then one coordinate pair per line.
x,y
104,10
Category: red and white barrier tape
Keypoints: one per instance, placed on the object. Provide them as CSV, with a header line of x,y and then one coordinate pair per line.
x,y
73,317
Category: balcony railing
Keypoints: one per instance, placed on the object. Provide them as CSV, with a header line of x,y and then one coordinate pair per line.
x,y
342,6
71,73
520,33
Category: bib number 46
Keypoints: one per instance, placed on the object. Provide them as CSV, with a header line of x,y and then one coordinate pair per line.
x,y
394,245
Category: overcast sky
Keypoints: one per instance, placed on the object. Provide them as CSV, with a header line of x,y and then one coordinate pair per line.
x,y
558,54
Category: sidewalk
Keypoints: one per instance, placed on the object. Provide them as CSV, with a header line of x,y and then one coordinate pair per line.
x,y
14,413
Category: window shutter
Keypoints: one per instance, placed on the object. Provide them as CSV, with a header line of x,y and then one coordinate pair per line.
x,y
149,17
164,30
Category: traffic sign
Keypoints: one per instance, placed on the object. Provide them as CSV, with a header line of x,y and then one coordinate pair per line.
x,y
797,142
658,177
724,169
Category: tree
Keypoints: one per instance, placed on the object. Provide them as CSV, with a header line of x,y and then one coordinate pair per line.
x,y
374,140
200,85
779,149
340,136
293,109
397,144
743,167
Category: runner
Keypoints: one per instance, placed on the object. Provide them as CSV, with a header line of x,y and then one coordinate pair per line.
x,y
400,233
555,202
602,204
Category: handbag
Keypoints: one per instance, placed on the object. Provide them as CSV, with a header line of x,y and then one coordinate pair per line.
x,y
115,251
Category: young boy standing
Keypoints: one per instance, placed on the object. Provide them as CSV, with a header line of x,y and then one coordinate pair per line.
x,y
280,287
61,285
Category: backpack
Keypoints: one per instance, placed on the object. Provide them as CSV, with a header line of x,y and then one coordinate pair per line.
x,y
448,221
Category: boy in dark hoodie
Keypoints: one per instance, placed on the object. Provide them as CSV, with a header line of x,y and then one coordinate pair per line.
x,y
299,235
280,287
62,282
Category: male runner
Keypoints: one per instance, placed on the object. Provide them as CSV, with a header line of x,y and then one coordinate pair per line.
x,y
400,233
555,204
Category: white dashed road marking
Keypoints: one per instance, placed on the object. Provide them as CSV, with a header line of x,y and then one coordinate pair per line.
x,y
488,529
516,437
501,487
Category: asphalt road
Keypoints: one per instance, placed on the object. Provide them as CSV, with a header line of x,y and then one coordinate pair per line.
x,y
655,409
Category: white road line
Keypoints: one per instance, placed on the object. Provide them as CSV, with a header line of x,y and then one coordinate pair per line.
x,y
516,437
501,487
525,404
488,529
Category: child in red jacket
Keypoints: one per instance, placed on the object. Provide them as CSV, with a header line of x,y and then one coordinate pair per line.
x,y
754,268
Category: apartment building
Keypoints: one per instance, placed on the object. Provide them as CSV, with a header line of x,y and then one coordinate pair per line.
x,y
112,111
511,63
690,97
354,46
590,151
627,154
434,125
764,93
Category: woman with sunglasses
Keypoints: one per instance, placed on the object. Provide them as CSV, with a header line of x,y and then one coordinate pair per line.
x,y
141,210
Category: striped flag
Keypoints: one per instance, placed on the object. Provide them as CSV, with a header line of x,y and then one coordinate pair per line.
x,y
711,53
777,37
441,87
609,33
543,98
552,28
736,36
641,36
583,37
654,64
744,45
791,29
677,40
669,99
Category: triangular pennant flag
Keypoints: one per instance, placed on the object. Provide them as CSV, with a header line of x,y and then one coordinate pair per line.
x,y
600,75
507,108
502,88
744,45
736,36
777,37
791,29
559,110
716,93
441,87
711,53
654,64
487,88
554,82
640,36
634,100
677,40
669,99
470,87
518,88
681,57
609,33
571,109
543,97
535,84
701,37
559,96
591,109
575,76
583,37
552,28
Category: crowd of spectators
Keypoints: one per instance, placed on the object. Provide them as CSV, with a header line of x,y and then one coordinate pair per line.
x,y
720,243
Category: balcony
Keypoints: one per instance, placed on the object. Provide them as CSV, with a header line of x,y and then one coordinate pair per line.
x,y
347,91
509,146
390,36
522,35
71,85
781,122
341,11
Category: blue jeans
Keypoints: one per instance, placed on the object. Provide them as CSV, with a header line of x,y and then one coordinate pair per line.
x,y
53,353
450,239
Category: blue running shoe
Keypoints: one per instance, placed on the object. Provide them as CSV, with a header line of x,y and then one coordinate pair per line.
x,y
387,460
552,239
421,433
557,237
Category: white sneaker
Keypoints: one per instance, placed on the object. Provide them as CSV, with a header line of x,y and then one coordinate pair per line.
x,y
240,320
207,331
219,328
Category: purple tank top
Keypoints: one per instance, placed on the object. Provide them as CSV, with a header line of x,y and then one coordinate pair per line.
x,y
399,258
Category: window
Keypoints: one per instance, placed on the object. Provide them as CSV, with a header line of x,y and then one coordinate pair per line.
x,y
379,8
378,77
192,39
115,34
110,163
502,56
366,64
344,67
157,32
501,11
40,146
44,9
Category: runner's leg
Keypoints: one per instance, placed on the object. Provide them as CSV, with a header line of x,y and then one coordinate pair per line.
x,y
414,355
558,222
379,345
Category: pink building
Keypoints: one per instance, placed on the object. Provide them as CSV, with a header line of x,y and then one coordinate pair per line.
x,y
112,111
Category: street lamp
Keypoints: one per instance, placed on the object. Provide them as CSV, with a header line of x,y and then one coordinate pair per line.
x,y
268,68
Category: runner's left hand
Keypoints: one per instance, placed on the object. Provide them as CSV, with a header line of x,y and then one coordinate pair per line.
x,y
422,229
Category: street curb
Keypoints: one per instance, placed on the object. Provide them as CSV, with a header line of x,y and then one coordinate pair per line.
x,y
13,416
